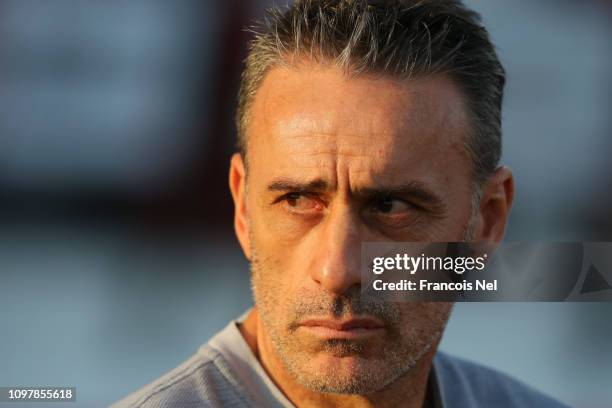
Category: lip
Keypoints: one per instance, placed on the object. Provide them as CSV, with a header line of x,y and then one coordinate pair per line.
x,y
354,328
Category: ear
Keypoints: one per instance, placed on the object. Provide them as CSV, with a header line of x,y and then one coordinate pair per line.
x,y
495,205
237,184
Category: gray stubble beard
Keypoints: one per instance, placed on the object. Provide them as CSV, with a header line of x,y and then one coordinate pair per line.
x,y
396,361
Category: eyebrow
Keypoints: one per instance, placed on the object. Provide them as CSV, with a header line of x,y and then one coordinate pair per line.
x,y
298,186
414,189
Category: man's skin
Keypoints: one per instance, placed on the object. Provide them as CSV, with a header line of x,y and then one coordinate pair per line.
x,y
334,161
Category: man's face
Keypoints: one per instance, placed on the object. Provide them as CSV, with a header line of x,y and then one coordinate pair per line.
x,y
333,162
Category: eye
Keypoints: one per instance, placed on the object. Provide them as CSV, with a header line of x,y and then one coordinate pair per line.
x,y
301,203
390,206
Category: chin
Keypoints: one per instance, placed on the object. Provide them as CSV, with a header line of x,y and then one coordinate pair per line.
x,y
351,374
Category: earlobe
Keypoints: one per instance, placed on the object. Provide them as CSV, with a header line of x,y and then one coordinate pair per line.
x,y
237,184
495,205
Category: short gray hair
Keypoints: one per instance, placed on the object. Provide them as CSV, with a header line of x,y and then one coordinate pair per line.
x,y
399,38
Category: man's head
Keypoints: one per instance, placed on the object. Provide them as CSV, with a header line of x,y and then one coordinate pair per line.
x,y
362,121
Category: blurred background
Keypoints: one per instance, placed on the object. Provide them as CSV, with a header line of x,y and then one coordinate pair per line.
x,y
117,255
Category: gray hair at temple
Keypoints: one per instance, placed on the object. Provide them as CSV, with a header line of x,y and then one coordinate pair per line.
x,y
399,38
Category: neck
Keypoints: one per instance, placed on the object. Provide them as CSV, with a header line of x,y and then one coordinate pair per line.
x,y
407,391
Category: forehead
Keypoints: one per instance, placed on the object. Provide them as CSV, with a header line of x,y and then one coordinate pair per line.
x,y
316,117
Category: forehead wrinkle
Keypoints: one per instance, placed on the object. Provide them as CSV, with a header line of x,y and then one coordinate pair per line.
x,y
375,140
412,97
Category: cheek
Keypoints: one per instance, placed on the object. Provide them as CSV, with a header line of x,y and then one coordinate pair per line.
x,y
284,241
283,230
276,267
274,226
452,228
424,319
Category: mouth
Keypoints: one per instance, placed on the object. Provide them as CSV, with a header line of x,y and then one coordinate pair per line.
x,y
351,329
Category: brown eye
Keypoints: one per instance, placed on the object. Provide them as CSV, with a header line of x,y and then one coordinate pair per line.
x,y
389,205
301,203
292,199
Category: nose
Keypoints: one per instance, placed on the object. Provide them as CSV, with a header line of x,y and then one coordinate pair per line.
x,y
338,253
